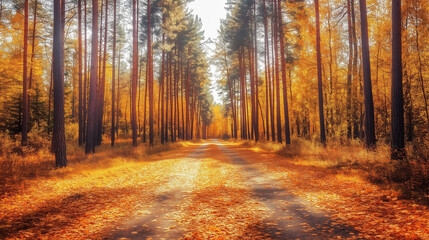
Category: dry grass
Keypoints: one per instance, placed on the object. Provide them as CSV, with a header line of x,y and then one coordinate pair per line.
x,y
411,177
18,163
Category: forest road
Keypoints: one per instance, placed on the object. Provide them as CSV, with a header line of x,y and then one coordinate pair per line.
x,y
216,192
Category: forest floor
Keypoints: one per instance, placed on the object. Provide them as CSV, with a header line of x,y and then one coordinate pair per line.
x,y
207,190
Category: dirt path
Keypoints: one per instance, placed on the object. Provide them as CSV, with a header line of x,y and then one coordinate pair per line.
x,y
159,221
293,217
215,193
211,190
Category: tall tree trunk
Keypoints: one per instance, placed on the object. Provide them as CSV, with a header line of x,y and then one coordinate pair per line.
x,y
276,52
79,33
145,104
349,74
252,92
369,103
319,76
85,80
102,87
90,133
267,72
134,73
112,132
283,63
355,73
25,117
161,96
33,49
398,143
139,83
58,70
167,79
187,98
119,93
271,82
150,70
255,60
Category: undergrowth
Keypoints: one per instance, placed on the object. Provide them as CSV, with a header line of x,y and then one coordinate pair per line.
x,y
410,176
18,163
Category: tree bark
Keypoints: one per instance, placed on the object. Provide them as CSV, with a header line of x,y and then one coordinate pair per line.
x,y
90,133
283,63
369,103
112,132
134,74
80,104
102,86
319,76
150,69
398,143
58,81
25,117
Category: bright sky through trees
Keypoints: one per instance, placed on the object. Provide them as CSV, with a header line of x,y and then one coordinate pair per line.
x,y
210,12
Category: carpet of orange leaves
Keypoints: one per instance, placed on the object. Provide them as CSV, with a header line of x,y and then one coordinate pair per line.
x,y
376,213
91,203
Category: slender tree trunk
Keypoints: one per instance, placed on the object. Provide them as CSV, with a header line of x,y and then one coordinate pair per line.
x,y
187,99
255,60
135,73
139,83
145,104
355,73
85,80
150,70
102,87
25,110
349,74
369,103
80,108
398,143
252,92
167,92
33,49
283,63
272,72
90,133
319,76
276,52
161,96
58,70
112,132
119,93
267,71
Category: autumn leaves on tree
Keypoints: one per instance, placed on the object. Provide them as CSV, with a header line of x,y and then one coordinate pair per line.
x,y
294,53
286,69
